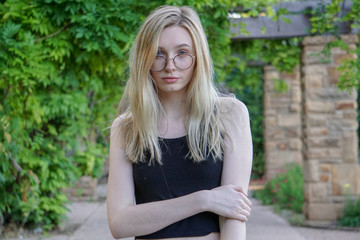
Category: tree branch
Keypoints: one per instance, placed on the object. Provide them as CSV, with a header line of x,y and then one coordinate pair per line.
x,y
15,164
55,33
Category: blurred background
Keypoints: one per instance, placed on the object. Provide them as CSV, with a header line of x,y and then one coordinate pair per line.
x,y
63,67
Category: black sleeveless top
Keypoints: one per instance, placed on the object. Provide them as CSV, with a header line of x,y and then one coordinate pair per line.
x,y
178,176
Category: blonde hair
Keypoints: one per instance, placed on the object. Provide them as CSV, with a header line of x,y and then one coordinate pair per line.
x,y
140,106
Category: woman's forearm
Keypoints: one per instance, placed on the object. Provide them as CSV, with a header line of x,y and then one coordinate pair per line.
x,y
231,229
142,219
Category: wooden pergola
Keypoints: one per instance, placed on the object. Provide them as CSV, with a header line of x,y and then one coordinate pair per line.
x,y
297,14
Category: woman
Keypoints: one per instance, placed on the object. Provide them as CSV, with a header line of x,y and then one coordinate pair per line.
x,y
180,149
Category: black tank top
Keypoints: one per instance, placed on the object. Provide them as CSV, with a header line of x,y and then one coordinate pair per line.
x,y
178,176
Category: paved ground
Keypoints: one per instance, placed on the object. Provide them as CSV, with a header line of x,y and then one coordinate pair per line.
x,y
87,221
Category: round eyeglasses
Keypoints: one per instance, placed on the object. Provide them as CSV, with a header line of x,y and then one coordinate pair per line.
x,y
181,61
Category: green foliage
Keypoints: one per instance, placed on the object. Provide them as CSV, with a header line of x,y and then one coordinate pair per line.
x,y
245,80
247,86
59,63
62,67
351,216
284,190
324,18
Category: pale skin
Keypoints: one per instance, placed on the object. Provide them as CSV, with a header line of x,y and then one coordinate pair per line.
x,y
229,201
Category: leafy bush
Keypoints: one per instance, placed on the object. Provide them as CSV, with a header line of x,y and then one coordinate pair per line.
x,y
285,190
62,66
351,216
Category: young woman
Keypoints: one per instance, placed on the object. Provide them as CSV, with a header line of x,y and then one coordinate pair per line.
x,y
180,155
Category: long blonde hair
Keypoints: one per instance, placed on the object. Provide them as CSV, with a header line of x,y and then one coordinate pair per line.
x,y
140,106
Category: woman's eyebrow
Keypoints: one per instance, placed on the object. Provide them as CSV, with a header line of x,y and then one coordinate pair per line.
x,y
177,46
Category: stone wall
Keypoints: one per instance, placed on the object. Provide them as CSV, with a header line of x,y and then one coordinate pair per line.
x,y
330,139
314,123
282,121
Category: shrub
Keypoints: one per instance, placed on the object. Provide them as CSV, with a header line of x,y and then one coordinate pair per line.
x,y
285,190
351,216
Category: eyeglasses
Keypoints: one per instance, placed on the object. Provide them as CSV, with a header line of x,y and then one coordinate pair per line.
x,y
181,61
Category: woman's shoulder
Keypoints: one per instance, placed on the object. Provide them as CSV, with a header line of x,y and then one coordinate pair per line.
x,y
229,105
117,128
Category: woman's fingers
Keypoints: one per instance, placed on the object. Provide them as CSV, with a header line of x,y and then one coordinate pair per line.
x,y
245,197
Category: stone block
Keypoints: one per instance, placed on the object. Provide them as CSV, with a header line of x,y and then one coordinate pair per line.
x,y
346,104
317,69
322,40
350,38
344,178
324,141
280,159
312,54
334,153
294,75
324,177
270,121
316,131
350,147
289,120
266,100
319,107
295,144
296,95
319,120
293,132
282,146
295,108
271,74
314,154
316,192
350,114
273,134
334,75
320,211
313,81
269,145
340,57
311,170
330,93
325,168
342,124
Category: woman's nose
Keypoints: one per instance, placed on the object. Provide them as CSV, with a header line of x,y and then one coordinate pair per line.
x,y
170,65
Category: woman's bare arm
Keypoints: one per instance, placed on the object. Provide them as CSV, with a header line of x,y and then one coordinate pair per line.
x,y
238,152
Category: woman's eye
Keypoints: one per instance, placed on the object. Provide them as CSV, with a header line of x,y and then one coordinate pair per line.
x,y
159,53
181,52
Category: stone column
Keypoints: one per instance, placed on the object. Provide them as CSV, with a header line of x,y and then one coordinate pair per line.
x,y
282,121
330,140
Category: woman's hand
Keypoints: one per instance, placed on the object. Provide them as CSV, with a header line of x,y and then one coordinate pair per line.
x,y
230,201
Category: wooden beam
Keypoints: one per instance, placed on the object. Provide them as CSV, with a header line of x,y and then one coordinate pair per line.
x,y
299,27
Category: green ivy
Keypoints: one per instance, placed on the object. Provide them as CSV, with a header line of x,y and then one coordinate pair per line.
x,y
62,71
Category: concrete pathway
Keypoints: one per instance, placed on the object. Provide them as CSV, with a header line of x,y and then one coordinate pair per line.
x,y
88,221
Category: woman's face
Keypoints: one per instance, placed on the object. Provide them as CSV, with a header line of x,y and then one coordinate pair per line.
x,y
173,67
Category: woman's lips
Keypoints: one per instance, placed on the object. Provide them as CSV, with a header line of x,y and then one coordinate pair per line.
x,y
170,79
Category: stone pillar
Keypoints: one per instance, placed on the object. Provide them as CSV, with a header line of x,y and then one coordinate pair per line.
x,y
282,121
330,139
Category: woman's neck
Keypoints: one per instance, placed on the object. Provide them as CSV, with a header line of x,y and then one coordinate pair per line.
x,y
174,106
172,123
